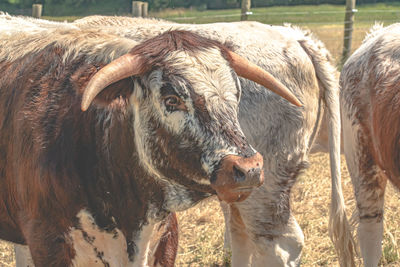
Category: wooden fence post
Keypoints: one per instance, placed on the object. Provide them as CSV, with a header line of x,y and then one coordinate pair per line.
x,y
37,11
137,8
245,9
145,9
348,28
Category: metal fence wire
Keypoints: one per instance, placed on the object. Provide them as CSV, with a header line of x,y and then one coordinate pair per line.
x,y
330,29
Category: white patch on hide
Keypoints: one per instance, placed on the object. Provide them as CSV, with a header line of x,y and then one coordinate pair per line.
x,y
141,133
111,247
173,121
23,256
142,242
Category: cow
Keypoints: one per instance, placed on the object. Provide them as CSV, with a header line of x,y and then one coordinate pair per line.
x,y
103,137
370,98
262,228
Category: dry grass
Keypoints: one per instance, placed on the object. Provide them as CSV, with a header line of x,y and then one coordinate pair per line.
x,y
6,255
201,237
332,37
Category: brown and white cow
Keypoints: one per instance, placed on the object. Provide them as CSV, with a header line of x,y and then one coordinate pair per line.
x,y
101,138
370,101
262,229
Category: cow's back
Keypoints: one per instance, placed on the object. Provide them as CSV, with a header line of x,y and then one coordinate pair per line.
x,y
10,102
371,96
21,115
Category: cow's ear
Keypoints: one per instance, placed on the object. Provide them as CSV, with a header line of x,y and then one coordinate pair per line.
x,y
116,95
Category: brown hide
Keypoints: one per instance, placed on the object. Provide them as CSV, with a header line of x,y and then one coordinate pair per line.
x,y
165,242
372,92
53,162
385,114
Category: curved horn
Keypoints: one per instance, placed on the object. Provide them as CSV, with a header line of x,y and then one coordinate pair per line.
x,y
121,68
248,70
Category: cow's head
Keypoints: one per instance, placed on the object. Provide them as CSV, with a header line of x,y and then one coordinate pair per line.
x,y
185,106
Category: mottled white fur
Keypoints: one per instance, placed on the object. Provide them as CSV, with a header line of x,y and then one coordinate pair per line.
x,y
369,232
202,77
141,133
177,198
211,77
365,74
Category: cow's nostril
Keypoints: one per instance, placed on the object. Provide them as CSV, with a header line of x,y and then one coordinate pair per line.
x,y
255,173
238,175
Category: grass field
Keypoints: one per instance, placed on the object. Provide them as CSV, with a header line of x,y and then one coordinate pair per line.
x,y
201,228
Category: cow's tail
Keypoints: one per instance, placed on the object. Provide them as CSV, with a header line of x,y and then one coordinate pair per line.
x,y
339,228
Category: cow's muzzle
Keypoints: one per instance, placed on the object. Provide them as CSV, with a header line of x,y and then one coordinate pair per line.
x,y
237,176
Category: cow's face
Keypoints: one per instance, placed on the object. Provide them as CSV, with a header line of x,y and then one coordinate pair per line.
x,y
187,128
185,105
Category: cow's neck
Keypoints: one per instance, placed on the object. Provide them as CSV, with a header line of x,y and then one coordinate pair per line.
x,y
121,194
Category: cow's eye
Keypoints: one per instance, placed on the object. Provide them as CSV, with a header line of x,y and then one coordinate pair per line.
x,y
173,102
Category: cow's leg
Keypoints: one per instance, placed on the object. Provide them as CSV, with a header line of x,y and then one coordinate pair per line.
x,y
50,248
23,256
240,243
164,243
227,237
45,253
283,250
266,233
369,184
